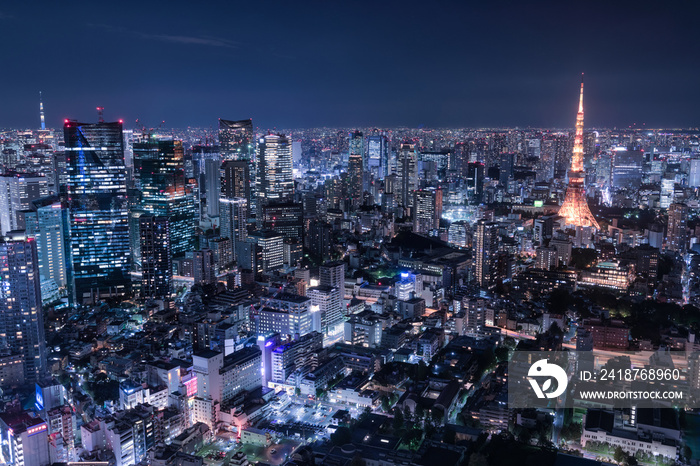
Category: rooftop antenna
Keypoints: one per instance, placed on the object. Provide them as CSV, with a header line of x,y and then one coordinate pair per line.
x,y
41,112
100,114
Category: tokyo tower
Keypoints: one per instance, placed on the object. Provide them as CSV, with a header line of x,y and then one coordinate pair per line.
x,y
575,207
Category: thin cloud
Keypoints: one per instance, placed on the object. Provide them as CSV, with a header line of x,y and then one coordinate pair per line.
x,y
207,41
4,15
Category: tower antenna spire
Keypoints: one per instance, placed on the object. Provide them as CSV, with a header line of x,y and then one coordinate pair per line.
x,y
575,207
41,112
100,114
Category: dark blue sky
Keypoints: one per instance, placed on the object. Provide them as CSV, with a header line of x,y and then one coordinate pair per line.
x,y
328,63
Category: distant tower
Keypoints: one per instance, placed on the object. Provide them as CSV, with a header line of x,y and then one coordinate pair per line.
x,y
575,207
41,112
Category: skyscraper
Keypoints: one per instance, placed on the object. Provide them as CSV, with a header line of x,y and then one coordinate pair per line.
x,y
236,139
407,172
156,257
47,224
21,317
236,182
356,144
285,218
17,191
233,218
475,181
377,155
212,173
575,207
427,210
269,250
355,174
486,247
161,177
98,209
275,182
677,231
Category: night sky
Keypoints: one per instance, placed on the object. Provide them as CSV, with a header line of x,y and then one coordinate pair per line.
x,y
330,63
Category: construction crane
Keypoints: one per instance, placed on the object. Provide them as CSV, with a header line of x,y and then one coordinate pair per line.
x,y
145,131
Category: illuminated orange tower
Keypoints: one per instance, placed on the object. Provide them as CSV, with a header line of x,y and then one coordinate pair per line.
x,y
575,207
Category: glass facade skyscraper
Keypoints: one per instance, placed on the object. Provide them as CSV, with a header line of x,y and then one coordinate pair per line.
x,y
21,317
275,181
236,139
98,210
161,177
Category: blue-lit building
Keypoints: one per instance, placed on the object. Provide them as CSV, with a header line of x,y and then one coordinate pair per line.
x,y
160,176
97,209
21,316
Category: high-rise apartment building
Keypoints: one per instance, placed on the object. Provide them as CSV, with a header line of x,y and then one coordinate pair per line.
x,y
98,209
21,317
486,247
156,257
204,269
677,230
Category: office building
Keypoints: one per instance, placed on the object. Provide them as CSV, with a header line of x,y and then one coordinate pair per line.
x,y
297,357
21,316
298,309
47,223
694,173
275,181
98,210
234,214
236,139
25,439
156,257
427,210
377,155
325,301
212,181
407,173
627,168
269,250
355,175
236,179
475,181
17,191
285,218
164,192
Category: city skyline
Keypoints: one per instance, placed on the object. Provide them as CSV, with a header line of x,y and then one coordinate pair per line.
x,y
437,265
453,65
